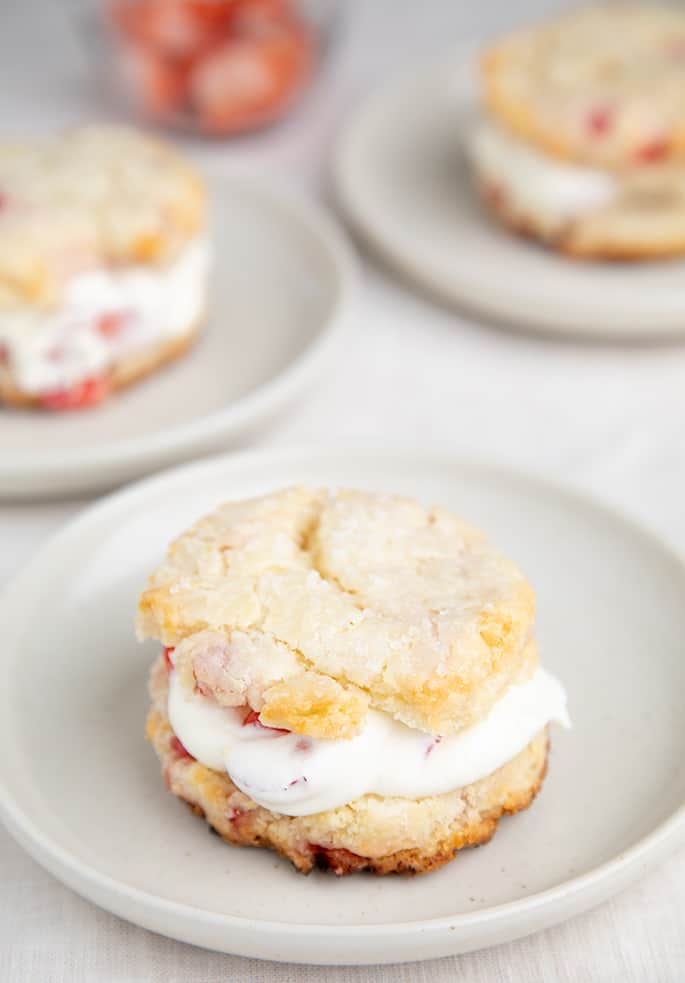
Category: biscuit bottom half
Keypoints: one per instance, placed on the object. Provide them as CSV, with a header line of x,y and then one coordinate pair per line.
x,y
124,372
578,210
382,834
621,235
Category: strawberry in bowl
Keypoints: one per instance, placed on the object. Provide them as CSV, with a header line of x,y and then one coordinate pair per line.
x,y
213,66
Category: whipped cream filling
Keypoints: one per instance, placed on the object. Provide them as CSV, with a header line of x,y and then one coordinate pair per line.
x,y
533,183
298,776
105,315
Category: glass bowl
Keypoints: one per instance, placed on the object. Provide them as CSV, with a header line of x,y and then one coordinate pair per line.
x,y
216,67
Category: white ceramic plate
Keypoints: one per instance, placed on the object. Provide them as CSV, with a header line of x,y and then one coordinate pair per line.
x,y
81,790
402,180
281,285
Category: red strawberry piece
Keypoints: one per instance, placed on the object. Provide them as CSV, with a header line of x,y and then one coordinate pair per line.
x,y
247,82
159,84
252,718
675,49
170,28
112,323
272,9
259,19
179,750
216,16
653,151
494,193
126,17
600,120
239,818
87,392
55,355
167,657
337,859
232,87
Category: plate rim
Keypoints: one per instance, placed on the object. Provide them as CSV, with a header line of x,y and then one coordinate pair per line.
x,y
586,889
18,467
352,207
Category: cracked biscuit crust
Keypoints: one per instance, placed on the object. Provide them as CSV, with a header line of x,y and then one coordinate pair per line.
x,y
96,196
311,606
604,84
382,834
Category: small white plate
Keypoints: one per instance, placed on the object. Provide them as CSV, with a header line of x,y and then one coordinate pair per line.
x,y
402,180
282,282
81,790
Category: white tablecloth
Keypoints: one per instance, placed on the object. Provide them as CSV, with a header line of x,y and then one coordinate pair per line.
x,y
609,420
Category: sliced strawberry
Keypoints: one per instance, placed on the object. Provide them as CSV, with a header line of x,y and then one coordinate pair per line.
x,y
126,17
167,657
55,354
159,84
273,9
252,718
231,86
494,193
215,15
653,151
337,859
113,323
675,49
244,83
241,820
170,28
179,750
600,120
259,19
88,392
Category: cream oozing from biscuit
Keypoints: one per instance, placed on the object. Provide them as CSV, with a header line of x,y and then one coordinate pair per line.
x,y
299,776
534,184
105,315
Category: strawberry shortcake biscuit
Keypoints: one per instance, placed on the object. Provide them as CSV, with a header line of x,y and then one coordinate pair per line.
x,y
582,141
103,264
347,678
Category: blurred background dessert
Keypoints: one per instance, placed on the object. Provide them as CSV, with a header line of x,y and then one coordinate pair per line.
x,y
103,264
582,142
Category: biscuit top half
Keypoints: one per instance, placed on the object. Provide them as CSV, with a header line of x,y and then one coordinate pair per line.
x,y
311,606
91,197
604,85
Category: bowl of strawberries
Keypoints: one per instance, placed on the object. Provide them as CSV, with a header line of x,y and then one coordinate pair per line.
x,y
217,67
